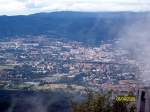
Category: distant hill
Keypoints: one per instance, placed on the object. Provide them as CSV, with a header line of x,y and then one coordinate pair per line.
x,y
81,26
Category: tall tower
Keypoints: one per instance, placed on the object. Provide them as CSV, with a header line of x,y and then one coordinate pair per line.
x,y
143,99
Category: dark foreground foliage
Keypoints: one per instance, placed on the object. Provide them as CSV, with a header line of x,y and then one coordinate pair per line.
x,y
30,101
102,103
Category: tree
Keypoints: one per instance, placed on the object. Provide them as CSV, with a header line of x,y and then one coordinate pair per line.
x,y
93,103
96,102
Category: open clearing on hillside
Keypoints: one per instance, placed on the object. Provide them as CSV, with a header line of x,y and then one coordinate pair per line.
x,y
2,67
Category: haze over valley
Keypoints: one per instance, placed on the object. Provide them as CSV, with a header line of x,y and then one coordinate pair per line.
x,y
64,54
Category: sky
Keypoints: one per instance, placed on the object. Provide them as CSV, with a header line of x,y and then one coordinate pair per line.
x,y
25,7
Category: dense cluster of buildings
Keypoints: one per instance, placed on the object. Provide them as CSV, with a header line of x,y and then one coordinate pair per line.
x,y
51,61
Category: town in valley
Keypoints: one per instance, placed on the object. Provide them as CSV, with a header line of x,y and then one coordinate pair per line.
x,y
41,63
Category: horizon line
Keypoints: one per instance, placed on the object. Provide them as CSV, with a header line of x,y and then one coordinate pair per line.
x,y
123,11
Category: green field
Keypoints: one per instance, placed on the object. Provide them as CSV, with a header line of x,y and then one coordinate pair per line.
x,y
2,67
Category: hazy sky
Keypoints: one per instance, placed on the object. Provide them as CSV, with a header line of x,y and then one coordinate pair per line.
x,y
15,7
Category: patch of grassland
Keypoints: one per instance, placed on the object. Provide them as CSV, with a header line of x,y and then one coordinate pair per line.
x,y
2,67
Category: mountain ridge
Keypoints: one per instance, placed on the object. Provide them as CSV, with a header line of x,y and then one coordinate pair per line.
x,y
80,26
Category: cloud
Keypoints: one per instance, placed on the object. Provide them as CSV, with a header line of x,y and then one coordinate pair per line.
x,y
135,39
15,7
11,8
